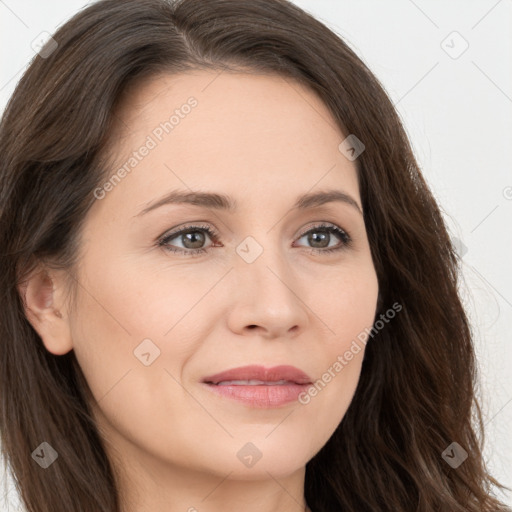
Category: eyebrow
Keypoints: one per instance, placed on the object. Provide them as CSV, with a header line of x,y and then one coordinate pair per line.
x,y
223,202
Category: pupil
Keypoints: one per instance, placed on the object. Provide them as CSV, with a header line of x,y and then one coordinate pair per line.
x,y
314,238
196,238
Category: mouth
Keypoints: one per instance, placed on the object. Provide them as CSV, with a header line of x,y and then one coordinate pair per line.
x,y
252,382
260,375
257,386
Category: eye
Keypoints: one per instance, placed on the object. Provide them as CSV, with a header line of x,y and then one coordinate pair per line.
x,y
321,236
194,237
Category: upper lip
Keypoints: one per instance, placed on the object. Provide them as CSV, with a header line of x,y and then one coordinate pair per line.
x,y
256,372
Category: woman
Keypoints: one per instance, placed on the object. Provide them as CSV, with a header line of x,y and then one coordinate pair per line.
x,y
226,283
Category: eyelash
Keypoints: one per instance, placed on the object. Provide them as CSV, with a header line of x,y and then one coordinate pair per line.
x,y
213,234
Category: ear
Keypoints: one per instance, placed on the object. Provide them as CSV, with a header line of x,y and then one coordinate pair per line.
x,y
43,295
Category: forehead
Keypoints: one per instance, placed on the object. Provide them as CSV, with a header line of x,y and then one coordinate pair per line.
x,y
248,133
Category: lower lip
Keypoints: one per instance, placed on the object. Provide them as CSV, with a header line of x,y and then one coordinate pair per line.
x,y
263,396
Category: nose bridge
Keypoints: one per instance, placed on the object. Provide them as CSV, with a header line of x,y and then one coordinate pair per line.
x,y
267,295
262,264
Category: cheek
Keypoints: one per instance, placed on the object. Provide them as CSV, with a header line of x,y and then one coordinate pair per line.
x,y
347,308
134,332
328,399
346,305
102,344
126,362
115,316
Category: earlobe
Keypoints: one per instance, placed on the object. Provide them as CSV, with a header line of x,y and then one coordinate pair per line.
x,y
42,295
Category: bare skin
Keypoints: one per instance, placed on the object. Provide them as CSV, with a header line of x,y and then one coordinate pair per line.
x,y
263,141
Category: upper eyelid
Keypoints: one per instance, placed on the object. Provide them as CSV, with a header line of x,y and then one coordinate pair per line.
x,y
193,227
322,225
215,232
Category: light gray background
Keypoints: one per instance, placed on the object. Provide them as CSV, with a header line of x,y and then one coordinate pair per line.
x,y
458,114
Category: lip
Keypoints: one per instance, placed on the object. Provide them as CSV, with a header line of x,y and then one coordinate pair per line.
x,y
257,372
266,395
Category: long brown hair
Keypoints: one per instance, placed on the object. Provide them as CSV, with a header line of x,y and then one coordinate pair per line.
x,y
416,393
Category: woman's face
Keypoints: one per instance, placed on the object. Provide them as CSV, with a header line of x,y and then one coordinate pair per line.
x,y
156,317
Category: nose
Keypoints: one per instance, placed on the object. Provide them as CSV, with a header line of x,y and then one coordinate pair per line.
x,y
268,300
